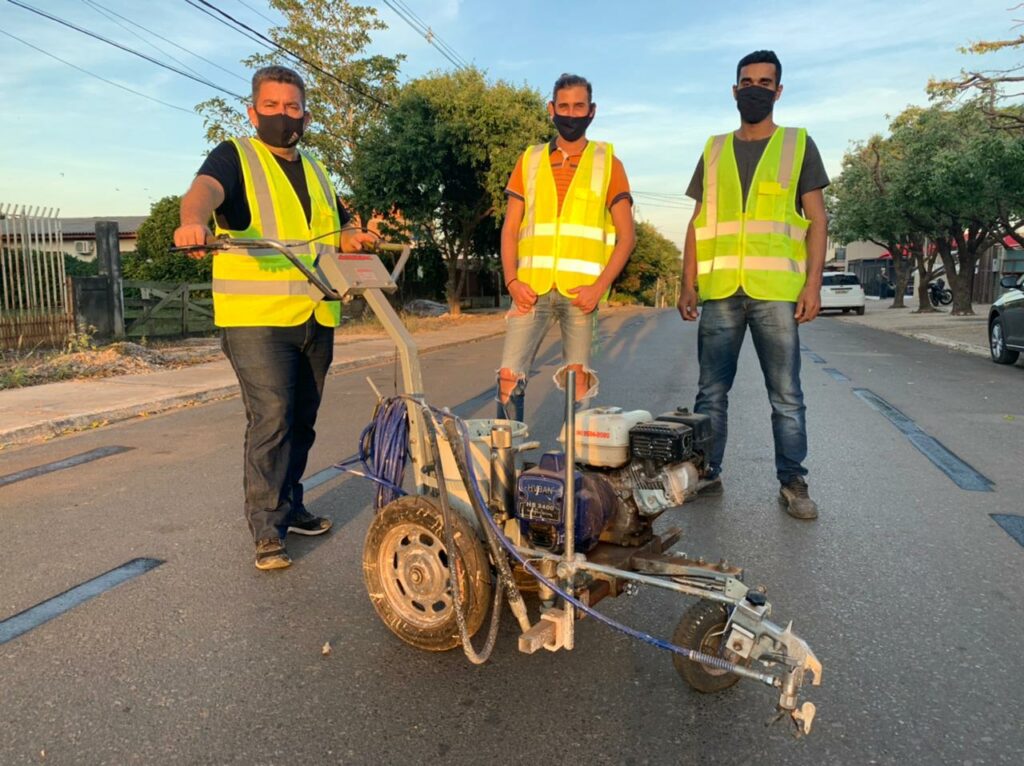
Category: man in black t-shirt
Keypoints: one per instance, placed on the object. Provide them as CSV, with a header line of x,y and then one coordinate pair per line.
x,y
278,338
755,246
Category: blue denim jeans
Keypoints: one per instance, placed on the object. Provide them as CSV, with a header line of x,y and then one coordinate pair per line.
x,y
281,372
723,325
523,335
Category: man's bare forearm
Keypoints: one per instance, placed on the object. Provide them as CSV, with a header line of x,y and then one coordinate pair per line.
x,y
203,197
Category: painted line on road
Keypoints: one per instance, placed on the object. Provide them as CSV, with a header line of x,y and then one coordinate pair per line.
x,y
60,465
962,474
836,374
45,611
1011,524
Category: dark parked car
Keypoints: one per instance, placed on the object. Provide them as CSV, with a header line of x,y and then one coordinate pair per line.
x,y
422,307
1006,322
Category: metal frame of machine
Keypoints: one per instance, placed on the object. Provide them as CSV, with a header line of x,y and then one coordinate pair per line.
x,y
572,579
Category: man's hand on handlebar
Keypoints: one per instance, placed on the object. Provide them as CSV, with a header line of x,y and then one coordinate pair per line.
x,y
358,241
190,235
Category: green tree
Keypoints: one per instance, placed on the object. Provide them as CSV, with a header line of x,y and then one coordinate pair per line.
x,y
652,272
438,162
866,204
332,35
152,259
998,90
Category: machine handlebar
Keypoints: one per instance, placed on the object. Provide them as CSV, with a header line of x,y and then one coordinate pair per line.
x,y
225,242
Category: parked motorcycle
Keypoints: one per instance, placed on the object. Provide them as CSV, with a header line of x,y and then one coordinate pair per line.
x,y
939,294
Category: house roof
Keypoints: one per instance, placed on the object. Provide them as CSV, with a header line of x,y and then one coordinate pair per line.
x,y
85,228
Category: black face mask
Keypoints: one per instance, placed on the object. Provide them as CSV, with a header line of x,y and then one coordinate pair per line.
x,y
572,128
279,130
755,103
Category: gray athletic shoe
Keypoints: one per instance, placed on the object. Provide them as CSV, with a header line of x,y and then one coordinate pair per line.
x,y
797,501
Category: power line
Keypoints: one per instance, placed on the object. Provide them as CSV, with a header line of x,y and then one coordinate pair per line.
x,y
93,74
256,11
230,26
431,32
169,42
419,26
125,48
267,41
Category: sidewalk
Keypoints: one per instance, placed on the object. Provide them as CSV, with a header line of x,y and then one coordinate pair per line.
x,y
968,334
49,410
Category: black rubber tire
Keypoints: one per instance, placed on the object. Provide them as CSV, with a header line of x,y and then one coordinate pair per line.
x,y
946,297
846,311
694,632
1000,353
860,311
405,546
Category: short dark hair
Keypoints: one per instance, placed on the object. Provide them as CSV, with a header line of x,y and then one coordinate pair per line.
x,y
277,74
567,80
761,57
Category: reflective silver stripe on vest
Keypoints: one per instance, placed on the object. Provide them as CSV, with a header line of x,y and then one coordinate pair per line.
x,y
261,189
750,263
788,155
325,185
254,287
597,170
530,180
728,228
711,180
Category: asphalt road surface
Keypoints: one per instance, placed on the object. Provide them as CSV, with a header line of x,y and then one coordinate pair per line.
x,y
906,588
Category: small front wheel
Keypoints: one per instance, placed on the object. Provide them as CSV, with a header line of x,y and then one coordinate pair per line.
x,y
702,629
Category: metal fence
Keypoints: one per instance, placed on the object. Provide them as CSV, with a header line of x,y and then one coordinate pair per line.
x,y
34,305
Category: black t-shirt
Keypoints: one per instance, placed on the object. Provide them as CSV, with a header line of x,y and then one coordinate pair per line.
x,y
748,154
225,166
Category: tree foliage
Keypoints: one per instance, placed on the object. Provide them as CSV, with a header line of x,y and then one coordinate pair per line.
x,y
998,90
152,259
652,270
332,35
437,163
941,176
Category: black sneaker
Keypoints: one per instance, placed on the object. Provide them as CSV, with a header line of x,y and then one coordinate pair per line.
x,y
306,523
796,499
710,485
270,554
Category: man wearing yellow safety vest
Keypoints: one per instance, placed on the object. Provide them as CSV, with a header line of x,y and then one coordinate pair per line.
x,y
278,335
755,248
567,235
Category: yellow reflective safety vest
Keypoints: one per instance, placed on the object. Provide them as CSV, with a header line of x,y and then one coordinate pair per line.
x,y
760,247
259,288
570,248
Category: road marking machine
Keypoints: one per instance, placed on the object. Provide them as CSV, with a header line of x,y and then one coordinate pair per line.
x,y
481,526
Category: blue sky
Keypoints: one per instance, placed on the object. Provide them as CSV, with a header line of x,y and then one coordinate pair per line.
x,y
661,72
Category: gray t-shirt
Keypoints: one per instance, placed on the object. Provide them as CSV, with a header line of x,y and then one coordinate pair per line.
x,y
748,154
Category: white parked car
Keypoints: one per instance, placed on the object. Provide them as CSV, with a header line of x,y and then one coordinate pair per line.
x,y
841,290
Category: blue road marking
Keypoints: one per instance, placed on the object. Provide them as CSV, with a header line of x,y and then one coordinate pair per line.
x,y
59,465
45,611
1011,524
962,474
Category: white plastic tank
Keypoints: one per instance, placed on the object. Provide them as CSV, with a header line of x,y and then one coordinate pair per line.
x,y
602,435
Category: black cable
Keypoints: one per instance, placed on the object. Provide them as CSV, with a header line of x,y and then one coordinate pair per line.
x,y
267,41
93,74
168,41
430,31
110,16
219,20
125,48
256,11
427,33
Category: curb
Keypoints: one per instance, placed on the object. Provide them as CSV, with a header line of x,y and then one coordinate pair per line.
x,y
98,419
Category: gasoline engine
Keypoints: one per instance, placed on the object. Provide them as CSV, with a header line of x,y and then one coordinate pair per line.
x,y
633,467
